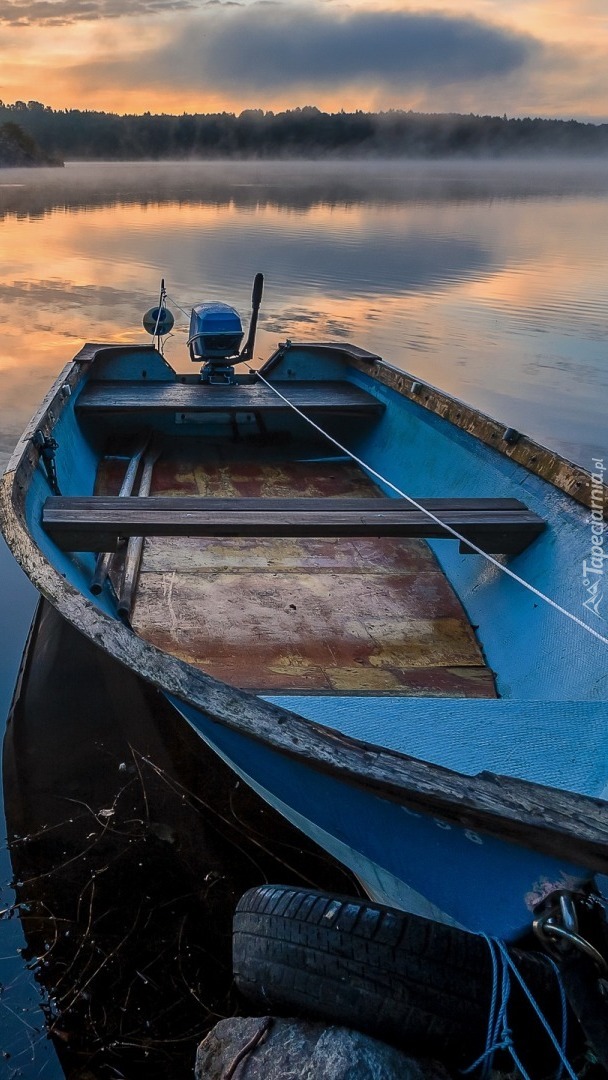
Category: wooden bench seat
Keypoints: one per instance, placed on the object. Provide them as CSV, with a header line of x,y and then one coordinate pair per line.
x,y
501,526
318,397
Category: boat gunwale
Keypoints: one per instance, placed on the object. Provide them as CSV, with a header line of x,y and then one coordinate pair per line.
x,y
554,468
545,819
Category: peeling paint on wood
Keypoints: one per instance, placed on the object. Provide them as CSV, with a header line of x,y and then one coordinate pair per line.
x,y
372,615
223,474
537,459
243,554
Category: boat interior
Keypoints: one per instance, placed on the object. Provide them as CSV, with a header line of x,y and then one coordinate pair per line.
x,y
272,560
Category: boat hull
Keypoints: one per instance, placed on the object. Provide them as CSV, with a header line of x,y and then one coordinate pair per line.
x,y
402,857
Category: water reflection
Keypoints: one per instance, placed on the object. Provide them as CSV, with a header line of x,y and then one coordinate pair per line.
x,y
130,846
486,279
21,1021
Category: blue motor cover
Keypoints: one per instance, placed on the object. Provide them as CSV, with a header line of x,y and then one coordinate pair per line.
x,y
216,332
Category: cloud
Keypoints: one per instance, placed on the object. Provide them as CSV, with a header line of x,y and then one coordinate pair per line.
x,y
272,46
275,46
62,12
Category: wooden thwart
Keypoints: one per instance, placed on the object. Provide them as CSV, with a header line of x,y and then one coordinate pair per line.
x,y
333,397
98,523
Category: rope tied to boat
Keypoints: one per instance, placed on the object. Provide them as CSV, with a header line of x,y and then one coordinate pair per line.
x,y
180,306
429,513
499,1035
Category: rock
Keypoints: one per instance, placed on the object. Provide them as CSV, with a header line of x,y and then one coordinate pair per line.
x,y
302,1050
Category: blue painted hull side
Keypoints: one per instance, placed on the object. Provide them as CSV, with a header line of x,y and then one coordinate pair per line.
x,y
530,740
77,462
481,883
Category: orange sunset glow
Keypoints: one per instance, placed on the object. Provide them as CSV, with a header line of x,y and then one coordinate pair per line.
x,y
520,57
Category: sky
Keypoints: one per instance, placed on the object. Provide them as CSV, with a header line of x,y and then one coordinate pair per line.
x,y
519,57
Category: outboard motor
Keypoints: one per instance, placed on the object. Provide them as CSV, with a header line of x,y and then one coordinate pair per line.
x,y
215,337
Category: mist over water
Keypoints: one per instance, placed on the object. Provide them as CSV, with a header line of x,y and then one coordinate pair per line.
x,y
486,279
295,184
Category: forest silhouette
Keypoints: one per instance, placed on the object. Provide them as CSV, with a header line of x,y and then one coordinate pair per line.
x,y
76,134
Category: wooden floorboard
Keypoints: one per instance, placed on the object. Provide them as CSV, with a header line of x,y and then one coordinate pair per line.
x,y
302,615
312,631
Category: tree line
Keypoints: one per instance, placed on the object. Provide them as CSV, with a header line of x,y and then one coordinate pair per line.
x,y
78,134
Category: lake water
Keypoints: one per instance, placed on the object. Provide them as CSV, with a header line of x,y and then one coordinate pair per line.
x,y
488,280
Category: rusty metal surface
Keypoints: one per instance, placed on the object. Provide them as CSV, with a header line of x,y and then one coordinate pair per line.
x,y
341,632
110,473
222,476
280,614
386,555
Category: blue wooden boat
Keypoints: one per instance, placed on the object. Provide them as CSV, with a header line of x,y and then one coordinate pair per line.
x,y
380,607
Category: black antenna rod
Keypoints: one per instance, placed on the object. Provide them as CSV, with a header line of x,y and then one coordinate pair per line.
x,y
256,299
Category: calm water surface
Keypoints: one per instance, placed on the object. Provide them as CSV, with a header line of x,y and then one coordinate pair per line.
x,y
487,280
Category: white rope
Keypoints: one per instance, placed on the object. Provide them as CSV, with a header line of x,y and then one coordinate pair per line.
x,y
175,303
479,551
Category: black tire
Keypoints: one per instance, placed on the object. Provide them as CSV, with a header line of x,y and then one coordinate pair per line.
x,y
417,984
